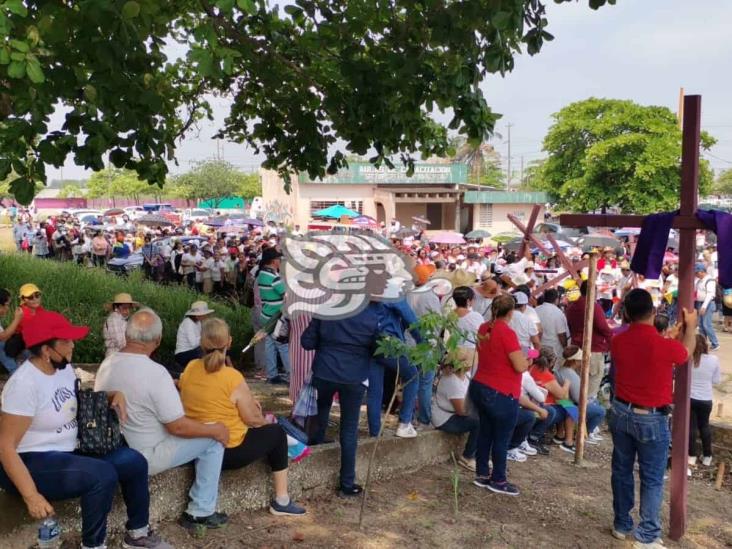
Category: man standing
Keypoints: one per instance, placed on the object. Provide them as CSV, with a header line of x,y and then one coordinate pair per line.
x,y
525,328
705,289
644,362
271,290
156,424
555,331
601,336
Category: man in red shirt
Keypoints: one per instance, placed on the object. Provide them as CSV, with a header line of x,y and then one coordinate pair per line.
x,y
601,336
638,419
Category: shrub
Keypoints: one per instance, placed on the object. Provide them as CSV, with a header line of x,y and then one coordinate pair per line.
x,y
80,293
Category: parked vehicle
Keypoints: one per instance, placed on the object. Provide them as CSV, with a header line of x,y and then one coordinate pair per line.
x,y
197,214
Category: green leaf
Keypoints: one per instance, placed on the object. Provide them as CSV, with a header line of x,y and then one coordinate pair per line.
x,y
247,6
90,93
225,5
130,10
35,72
23,190
17,7
16,69
19,45
4,56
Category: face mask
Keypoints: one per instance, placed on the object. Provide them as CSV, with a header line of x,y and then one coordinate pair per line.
x,y
61,364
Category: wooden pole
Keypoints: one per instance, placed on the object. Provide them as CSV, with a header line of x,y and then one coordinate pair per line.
x,y
586,352
687,249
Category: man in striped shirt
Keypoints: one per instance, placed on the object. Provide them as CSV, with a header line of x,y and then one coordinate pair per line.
x,y
271,290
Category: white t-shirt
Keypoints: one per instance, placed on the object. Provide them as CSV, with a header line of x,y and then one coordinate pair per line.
x,y
215,270
208,264
531,313
524,328
152,401
50,400
553,323
702,377
470,324
449,387
189,335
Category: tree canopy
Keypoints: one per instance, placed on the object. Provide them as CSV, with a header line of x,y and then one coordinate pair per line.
x,y
131,76
484,163
612,153
217,180
723,183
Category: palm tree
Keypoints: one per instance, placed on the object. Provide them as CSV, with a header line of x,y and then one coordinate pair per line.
x,y
482,159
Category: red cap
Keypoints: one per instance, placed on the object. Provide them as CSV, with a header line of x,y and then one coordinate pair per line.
x,y
47,325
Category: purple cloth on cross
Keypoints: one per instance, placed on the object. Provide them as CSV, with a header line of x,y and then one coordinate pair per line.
x,y
653,240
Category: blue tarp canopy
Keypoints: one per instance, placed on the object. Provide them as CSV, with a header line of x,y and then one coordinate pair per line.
x,y
336,212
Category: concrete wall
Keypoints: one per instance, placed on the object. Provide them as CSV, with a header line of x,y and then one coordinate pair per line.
x,y
500,222
245,489
406,211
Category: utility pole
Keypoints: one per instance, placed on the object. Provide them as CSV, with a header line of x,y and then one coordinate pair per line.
x,y
508,175
521,177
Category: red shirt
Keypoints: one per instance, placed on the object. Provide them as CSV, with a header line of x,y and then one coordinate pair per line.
x,y
494,365
601,332
644,362
543,378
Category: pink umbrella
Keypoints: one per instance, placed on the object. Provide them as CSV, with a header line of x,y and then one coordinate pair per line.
x,y
365,221
670,257
448,238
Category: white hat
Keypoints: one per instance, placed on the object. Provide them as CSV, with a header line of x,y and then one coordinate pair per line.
x,y
521,298
607,269
529,265
520,279
199,308
576,356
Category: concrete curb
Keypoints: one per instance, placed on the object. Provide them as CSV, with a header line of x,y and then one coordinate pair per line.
x,y
248,488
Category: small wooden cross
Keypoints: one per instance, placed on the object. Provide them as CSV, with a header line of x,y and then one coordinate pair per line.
x,y
528,231
687,223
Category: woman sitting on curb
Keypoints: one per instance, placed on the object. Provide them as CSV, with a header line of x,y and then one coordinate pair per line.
x,y
213,391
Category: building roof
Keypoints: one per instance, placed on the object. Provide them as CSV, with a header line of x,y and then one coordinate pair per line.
x,y
505,197
425,173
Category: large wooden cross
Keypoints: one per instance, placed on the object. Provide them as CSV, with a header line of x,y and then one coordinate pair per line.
x,y
687,224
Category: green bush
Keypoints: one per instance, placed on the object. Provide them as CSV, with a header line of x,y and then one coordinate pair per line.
x,y
80,293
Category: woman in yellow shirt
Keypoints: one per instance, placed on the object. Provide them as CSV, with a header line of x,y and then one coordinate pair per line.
x,y
213,391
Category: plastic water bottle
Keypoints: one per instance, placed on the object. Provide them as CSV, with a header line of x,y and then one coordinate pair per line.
x,y
49,534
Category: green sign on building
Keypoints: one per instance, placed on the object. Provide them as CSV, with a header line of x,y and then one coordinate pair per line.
x,y
425,173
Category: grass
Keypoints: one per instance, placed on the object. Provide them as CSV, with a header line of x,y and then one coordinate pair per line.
x,y
80,293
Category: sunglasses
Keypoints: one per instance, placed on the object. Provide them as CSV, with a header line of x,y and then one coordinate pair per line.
x,y
36,295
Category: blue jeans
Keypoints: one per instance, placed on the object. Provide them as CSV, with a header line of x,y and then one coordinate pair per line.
x,y
65,475
464,424
350,396
407,374
497,414
272,347
705,323
208,456
595,415
5,361
424,396
524,423
541,426
647,436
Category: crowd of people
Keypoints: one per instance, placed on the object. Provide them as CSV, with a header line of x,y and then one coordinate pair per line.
x,y
514,391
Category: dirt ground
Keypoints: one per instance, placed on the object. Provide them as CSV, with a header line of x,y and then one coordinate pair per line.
x,y
560,506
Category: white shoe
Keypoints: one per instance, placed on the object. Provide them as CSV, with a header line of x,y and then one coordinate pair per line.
x,y
655,544
592,441
527,448
514,454
707,461
692,460
406,430
595,435
688,472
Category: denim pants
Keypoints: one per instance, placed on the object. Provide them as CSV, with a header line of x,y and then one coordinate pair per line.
x,y
524,423
65,475
595,415
272,348
541,426
497,414
424,396
705,323
207,456
647,436
464,424
408,375
350,396
5,361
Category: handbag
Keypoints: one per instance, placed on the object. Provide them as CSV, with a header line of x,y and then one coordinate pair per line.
x,y
98,424
281,332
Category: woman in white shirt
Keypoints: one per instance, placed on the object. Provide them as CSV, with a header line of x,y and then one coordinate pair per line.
x,y
704,375
188,338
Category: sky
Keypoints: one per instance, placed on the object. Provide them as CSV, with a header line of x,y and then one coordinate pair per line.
x,y
643,50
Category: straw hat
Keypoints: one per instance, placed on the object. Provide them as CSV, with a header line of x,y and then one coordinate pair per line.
x,y
199,308
121,299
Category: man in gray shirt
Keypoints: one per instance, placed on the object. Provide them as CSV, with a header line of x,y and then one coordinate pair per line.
x,y
156,424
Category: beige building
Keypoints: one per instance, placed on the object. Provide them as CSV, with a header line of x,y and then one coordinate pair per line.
x,y
436,191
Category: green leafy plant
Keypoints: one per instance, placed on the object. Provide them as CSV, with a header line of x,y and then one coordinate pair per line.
x,y
439,346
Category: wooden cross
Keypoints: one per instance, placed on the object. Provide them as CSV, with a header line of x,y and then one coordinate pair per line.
x,y
687,224
528,231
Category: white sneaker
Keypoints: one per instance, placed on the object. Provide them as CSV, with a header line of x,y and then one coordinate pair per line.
x,y
406,430
707,461
514,454
595,435
692,460
592,441
655,544
527,448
